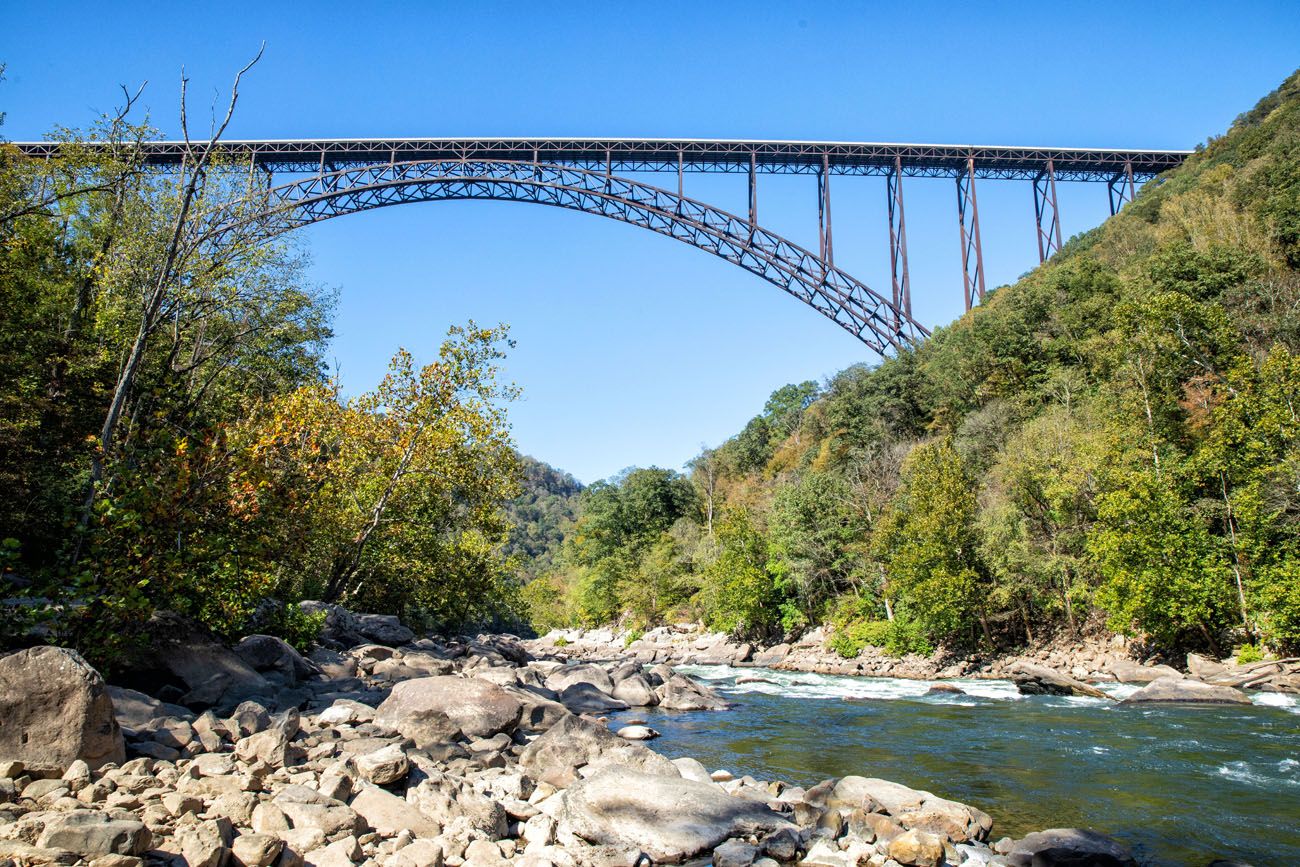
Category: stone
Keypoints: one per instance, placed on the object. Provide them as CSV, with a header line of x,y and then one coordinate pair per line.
x,y
668,818
383,629
205,843
682,693
213,674
637,733
388,814
89,833
256,850
340,853
384,766
1128,671
270,746
270,655
917,849
735,853
911,808
55,709
592,675
783,845
1170,689
477,708
179,804
575,743
635,691
773,655
1069,847
585,698
1033,679
692,769
484,853
306,808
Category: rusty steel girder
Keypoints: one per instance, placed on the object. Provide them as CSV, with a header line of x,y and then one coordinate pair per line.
x,y
851,304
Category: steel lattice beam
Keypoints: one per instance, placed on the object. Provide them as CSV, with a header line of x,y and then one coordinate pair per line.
x,y
901,280
845,300
972,250
1121,188
622,155
1046,209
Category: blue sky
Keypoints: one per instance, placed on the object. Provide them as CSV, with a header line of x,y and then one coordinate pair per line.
x,y
632,348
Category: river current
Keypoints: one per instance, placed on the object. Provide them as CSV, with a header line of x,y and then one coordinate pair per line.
x,y
1180,784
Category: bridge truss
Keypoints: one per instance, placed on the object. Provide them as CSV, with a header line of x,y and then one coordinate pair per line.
x,y
329,177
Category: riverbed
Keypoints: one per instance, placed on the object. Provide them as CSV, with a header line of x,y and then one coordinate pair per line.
x,y
1179,784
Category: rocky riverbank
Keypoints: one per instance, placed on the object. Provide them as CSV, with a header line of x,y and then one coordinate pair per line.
x,y
1065,665
384,748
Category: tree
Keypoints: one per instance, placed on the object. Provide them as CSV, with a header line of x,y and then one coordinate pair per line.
x,y
930,545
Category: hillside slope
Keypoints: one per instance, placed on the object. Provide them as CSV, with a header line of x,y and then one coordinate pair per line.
x,y
1113,437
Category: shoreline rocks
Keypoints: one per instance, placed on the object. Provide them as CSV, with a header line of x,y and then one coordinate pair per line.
x,y
441,753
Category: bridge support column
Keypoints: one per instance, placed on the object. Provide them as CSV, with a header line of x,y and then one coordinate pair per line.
x,y
753,190
902,283
1045,210
824,212
972,253
1121,188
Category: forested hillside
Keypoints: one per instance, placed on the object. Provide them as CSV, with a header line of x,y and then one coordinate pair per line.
x,y
541,516
1112,437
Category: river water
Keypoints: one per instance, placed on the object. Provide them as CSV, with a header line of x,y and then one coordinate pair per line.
x,y
1179,784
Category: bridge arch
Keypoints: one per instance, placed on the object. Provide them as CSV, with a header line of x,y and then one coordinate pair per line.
x,y
848,302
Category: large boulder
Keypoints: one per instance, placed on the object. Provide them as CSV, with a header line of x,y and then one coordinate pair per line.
x,y
340,629
185,656
1178,689
95,834
270,655
585,698
912,808
636,691
1033,679
478,708
586,673
55,709
383,629
668,818
389,815
575,744
773,655
681,693
1069,847
1128,671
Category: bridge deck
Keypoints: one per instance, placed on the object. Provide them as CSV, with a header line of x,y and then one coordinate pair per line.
x,y
621,155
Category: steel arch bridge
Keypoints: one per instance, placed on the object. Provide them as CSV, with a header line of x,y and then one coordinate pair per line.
x,y
333,177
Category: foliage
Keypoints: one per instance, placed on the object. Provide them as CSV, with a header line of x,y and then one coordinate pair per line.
x,y
1116,432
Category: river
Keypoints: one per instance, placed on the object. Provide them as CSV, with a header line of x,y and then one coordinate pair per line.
x,y
1179,784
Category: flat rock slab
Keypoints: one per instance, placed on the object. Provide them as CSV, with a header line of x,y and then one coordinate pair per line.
x,y
478,708
668,818
1033,679
1177,689
1069,847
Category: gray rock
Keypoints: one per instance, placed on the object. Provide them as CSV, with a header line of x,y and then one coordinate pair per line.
x,y
585,698
1069,847
205,843
306,808
772,655
1033,679
1178,689
477,708
637,733
54,709
389,814
383,766
256,850
682,693
917,849
575,743
668,818
214,674
593,675
1128,671
635,691
88,833
911,808
735,853
271,655
383,629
